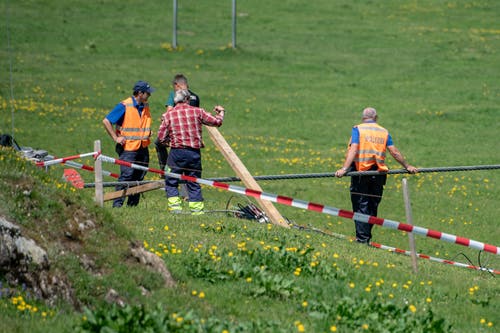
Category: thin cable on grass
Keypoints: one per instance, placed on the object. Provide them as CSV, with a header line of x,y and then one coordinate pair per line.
x,y
483,268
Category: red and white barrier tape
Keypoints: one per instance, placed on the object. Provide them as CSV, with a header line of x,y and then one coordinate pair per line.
x,y
77,165
65,159
90,168
321,208
424,256
401,251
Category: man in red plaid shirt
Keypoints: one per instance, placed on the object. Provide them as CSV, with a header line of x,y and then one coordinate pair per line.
x,y
181,128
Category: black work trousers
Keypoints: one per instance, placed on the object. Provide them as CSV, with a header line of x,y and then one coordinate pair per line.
x,y
161,153
366,194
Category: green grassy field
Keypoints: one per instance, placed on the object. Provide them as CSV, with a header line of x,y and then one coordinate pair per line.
x,y
293,88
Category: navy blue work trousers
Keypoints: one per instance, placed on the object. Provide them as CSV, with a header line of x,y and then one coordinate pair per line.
x,y
184,161
140,157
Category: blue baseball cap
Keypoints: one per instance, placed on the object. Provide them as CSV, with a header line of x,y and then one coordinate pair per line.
x,y
143,86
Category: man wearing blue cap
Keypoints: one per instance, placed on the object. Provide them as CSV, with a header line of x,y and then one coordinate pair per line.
x,y
131,134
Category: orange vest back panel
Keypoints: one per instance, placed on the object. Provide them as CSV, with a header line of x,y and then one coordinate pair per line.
x,y
372,146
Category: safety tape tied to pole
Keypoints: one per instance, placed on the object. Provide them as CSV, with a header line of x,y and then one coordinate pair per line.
x,y
65,159
443,261
320,208
77,165
402,251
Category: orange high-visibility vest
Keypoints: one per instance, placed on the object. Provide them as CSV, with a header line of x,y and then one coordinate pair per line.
x,y
136,129
372,146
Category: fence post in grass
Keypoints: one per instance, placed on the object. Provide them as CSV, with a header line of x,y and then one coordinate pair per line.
x,y
99,199
409,220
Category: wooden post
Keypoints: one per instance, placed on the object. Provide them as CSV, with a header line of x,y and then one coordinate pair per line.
x,y
245,176
409,220
98,175
133,190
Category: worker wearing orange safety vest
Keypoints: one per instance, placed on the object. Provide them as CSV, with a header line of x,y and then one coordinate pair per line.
x,y
132,133
136,129
367,150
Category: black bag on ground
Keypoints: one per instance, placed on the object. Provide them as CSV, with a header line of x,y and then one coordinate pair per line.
x,y
6,140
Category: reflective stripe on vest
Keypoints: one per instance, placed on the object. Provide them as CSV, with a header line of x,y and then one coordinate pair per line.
x,y
136,129
372,146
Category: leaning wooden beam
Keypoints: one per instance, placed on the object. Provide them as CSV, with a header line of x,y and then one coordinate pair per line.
x,y
133,190
245,176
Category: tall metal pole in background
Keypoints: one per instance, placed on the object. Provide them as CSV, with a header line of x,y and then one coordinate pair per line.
x,y
11,80
174,28
234,24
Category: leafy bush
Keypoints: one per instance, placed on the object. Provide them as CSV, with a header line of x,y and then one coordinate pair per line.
x,y
375,316
138,319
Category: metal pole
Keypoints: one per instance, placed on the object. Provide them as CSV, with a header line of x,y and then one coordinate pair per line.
x,y
409,220
234,24
9,50
174,28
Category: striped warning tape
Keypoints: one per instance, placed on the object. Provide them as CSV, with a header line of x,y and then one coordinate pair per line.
x,y
90,168
77,165
424,256
65,159
320,208
399,251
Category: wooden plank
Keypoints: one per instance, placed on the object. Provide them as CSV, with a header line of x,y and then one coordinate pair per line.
x,y
245,176
133,190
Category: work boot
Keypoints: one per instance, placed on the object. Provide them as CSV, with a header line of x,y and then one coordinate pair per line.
x,y
175,205
363,241
197,207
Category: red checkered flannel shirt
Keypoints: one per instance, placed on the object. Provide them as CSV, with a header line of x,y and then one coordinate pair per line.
x,y
181,127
